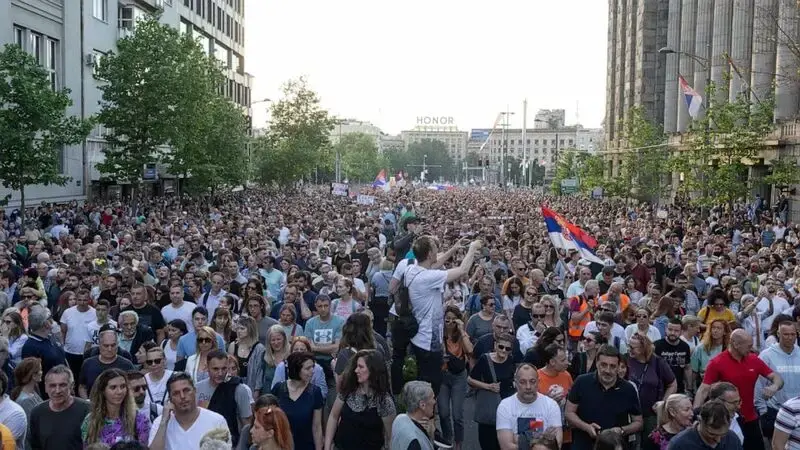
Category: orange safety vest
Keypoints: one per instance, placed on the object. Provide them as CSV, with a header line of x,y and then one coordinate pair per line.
x,y
576,328
624,302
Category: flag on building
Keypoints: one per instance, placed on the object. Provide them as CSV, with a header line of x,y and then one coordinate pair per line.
x,y
694,101
566,235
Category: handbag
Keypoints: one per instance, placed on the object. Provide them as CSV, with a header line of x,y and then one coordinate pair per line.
x,y
486,402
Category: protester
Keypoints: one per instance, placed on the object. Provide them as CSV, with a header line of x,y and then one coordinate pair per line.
x,y
543,414
302,401
414,430
249,353
712,431
96,365
271,430
674,415
224,395
113,416
56,423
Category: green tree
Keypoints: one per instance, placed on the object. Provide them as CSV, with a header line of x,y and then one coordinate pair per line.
x,y
432,153
566,168
298,138
360,158
590,172
396,160
33,124
783,172
719,147
645,166
142,97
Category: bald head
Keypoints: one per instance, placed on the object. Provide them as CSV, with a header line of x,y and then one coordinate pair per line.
x,y
739,336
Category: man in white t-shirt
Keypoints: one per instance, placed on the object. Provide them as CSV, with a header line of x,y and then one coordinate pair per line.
x,y
75,330
157,376
178,308
182,423
426,293
526,414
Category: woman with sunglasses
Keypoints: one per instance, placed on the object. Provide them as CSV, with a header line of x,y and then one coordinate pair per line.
x,y
206,339
583,361
453,391
642,326
493,379
717,308
481,323
522,312
551,313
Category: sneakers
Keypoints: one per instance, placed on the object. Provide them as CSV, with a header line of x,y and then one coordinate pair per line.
x,y
440,442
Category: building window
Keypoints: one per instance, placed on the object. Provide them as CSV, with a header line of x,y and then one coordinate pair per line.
x,y
98,56
19,37
36,47
51,64
100,9
210,12
188,4
186,28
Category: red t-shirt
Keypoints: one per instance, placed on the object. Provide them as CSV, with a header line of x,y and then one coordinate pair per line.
x,y
742,374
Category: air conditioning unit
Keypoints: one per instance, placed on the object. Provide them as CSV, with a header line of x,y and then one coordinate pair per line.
x,y
90,59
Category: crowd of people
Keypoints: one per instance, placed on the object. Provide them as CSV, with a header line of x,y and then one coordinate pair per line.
x,y
308,321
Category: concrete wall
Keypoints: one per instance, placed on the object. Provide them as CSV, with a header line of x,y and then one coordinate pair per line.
x,y
741,47
686,68
671,96
723,18
765,35
787,89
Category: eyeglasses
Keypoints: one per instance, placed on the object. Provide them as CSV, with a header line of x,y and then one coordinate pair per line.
x,y
538,316
139,388
8,322
588,340
641,316
549,307
204,340
152,362
504,347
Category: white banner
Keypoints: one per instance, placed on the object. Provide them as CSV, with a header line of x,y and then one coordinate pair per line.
x,y
339,189
365,200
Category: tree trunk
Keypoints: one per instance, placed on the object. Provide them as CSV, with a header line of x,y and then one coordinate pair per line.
x,y
22,205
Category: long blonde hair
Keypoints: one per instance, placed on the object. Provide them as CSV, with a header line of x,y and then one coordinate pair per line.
x,y
664,407
96,419
271,357
553,300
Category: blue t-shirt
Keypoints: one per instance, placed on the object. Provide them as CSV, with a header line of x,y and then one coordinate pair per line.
x,y
322,333
300,413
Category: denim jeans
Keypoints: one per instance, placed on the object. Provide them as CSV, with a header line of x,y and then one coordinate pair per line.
x,y
452,392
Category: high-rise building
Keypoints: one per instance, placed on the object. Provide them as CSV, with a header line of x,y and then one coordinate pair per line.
x,y
69,37
635,77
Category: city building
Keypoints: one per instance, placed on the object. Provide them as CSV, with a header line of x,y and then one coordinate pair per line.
x,y
549,118
68,38
591,140
350,126
391,143
746,46
453,139
541,145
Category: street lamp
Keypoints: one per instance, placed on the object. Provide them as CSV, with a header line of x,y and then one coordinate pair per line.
x,y
504,147
264,100
704,62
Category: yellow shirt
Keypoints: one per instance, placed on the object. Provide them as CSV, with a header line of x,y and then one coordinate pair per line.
x,y
710,314
8,442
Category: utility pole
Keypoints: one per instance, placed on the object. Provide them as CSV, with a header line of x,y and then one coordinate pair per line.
x,y
527,151
504,145
338,165
424,166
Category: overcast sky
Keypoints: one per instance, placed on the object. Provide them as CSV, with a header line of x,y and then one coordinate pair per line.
x,y
389,61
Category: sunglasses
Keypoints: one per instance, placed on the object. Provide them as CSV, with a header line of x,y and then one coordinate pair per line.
x,y
204,340
588,340
7,322
641,316
504,347
538,316
152,362
139,388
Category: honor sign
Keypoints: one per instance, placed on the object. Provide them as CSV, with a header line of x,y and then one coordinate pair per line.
x,y
435,120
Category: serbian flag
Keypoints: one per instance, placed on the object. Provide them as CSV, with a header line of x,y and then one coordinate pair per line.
x,y
380,180
566,235
693,100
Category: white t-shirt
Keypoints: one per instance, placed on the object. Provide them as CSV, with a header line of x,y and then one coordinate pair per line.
x,y
179,439
425,292
779,305
94,329
530,419
184,313
652,332
526,337
77,329
158,389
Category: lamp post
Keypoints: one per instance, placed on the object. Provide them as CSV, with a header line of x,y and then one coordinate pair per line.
x,y
504,145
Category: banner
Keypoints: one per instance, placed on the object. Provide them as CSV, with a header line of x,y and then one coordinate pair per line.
x,y
339,189
365,200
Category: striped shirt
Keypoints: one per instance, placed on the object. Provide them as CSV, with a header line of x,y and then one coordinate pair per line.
x,y
788,421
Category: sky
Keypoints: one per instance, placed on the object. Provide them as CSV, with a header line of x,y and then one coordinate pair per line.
x,y
390,61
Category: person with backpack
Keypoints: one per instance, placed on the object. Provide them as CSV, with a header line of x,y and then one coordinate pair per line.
x,y
141,395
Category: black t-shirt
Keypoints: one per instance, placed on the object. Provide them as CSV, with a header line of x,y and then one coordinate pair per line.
x,y
604,287
107,295
521,316
608,408
92,368
503,371
149,317
677,356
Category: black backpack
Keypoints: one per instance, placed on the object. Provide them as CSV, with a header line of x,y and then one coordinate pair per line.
x,y
405,325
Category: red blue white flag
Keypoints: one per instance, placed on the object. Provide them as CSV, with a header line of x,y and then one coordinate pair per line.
x,y
566,235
